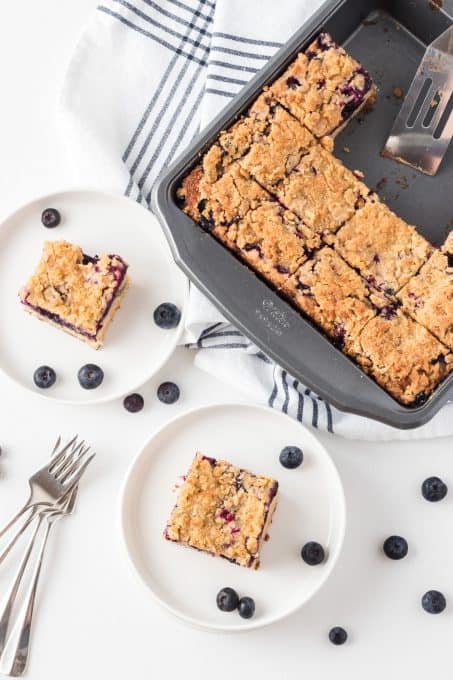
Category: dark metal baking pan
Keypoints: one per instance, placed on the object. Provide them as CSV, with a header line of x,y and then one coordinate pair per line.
x,y
389,38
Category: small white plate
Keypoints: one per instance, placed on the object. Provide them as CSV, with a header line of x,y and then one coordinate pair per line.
x,y
311,507
135,348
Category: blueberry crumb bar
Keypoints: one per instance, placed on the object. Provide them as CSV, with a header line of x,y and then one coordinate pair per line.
x,y
428,296
382,247
322,191
75,292
223,510
333,295
273,241
324,87
403,357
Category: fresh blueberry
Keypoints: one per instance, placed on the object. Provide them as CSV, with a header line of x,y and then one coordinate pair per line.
x,y
395,547
50,218
433,602
313,553
44,377
168,393
133,403
167,315
434,489
90,376
338,635
227,600
291,457
246,607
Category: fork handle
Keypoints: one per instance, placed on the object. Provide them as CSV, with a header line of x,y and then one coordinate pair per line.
x,y
23,643
34,510
5,618
15,519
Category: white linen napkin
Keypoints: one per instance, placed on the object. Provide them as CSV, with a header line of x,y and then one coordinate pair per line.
x,y
145,76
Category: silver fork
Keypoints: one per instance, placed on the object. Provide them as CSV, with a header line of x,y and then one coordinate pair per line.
x,y
51,484
22,647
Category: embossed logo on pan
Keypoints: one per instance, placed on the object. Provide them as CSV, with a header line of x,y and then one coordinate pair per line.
x,y
272,317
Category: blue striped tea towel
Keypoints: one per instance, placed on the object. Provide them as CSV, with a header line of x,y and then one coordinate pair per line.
x,y
145,76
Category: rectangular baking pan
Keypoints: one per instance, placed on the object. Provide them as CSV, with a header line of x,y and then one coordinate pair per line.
x,y
389,38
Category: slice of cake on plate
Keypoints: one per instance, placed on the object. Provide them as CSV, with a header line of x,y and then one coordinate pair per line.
x,y
76,292
223,510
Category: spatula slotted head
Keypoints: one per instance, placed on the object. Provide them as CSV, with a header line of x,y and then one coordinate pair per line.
x,y
423,128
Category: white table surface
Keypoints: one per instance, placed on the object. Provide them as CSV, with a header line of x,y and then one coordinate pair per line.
x,y
95,619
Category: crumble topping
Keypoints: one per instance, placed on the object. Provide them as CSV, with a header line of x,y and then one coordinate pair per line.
x,y
223,510
428,296
335,297
382,247
403,357
324,87
273,241
73,288
322,191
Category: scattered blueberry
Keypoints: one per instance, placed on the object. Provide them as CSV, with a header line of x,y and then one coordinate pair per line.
x,y
246,607
433,602
395,547
168,393
291,457
434,489
338,635
133,403
44,377
167,315
313,553
90,376
50,218
227,600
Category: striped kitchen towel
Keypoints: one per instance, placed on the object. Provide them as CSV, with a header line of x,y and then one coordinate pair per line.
x,y
145,77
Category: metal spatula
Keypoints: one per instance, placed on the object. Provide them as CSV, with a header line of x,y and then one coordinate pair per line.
x,y
423,129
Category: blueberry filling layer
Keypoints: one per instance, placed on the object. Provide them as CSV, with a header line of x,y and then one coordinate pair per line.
x,y
119,274
355,94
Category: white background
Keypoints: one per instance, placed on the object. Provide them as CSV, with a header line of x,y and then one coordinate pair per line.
x,y
95,619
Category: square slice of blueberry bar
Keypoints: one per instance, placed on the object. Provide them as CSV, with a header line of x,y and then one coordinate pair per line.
x,y
75,292
215,206
322,192
324,87
428,297
403,357
385,250
273,241
223,510
333,295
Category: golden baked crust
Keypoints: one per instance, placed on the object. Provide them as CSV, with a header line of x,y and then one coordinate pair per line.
x,y
322,191
428,297
335,297
223,510
382,247
74,291
273,241
215,206
403,357
277,149
324,87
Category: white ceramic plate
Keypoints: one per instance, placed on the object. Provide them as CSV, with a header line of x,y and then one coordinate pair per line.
x,y
311,507
135,348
